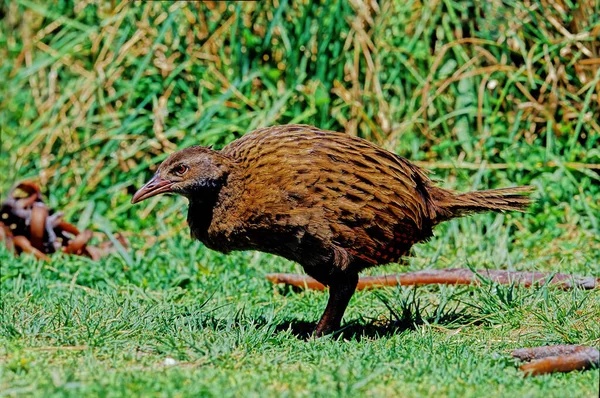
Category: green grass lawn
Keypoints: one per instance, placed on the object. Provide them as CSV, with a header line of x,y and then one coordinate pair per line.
x,y
93,95
74,326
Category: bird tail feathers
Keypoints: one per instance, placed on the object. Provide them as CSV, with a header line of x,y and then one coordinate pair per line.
x,y
454,204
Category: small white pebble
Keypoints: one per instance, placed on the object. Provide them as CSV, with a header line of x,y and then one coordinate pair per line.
x,y
170,361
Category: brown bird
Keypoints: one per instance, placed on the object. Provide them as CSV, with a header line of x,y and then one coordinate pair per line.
x,y
334,203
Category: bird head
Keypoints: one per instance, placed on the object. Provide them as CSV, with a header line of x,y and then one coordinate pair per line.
x,y
193,171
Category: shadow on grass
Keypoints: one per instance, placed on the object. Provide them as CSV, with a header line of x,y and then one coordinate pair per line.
x,y
351,331
406,312
358,330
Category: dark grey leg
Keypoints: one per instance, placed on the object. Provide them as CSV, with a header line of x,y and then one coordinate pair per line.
x,y
341,289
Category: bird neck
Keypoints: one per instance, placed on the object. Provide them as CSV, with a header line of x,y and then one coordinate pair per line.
x,y
210,203
200,215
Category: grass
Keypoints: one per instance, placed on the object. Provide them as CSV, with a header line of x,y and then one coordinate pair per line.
x,y
73,327
93,97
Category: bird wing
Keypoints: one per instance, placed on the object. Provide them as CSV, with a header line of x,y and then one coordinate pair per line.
x,y
336,187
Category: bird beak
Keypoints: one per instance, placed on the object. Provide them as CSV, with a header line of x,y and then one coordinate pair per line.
x,y
152,188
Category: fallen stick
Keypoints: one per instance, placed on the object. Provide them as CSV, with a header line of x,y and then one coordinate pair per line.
x,y
557,358
449,276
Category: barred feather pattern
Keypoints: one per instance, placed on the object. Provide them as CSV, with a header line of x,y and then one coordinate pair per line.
x,y
328,200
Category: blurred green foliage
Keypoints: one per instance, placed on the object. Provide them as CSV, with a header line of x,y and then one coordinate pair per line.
x,y
95,95
113,87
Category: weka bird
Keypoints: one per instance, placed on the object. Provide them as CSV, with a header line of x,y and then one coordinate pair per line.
x,y
334,203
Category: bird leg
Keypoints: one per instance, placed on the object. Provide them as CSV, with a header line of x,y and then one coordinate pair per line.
x,y
341,290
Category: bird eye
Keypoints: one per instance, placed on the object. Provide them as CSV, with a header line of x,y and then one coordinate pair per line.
x,y
180,170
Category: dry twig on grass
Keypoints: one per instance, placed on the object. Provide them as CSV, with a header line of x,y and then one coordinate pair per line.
x,y
557,358
448,276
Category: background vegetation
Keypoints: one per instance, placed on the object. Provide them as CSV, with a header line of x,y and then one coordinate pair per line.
x,y
94,95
